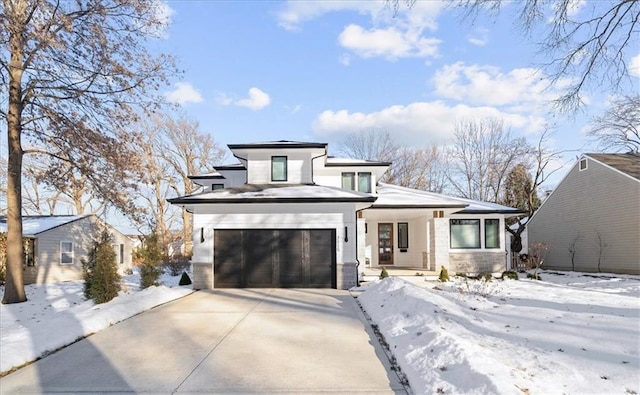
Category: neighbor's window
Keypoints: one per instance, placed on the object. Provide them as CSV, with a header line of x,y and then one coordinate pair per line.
x,y
465,233
403,235
121,254
217,186
583,164
278,168
66,253
364,182
349,181
492,233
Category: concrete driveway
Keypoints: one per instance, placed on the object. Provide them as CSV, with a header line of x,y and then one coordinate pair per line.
x,y
224,341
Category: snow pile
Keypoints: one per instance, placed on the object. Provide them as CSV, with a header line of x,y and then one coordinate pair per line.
x,y
512,337
56,315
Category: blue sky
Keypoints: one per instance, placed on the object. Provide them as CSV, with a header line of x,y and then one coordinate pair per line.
x,y
313,71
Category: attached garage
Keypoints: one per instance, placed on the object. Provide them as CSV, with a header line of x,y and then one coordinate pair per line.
x,y
274,258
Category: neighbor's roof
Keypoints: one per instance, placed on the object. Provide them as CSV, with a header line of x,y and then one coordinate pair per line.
x,y
207,176
33,225
278,144
276,193
625,163
393,196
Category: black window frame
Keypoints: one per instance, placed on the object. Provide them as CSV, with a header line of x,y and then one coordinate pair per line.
x,y
286,166
353,180
403,235
215,187
497,222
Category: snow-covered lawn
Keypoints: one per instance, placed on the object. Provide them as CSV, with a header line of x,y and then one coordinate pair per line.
x,y
571,333
57,314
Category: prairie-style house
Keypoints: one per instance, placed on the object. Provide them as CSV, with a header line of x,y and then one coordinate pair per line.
x,y
290,215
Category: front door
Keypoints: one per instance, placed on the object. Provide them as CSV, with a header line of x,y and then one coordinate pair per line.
x,y
385,244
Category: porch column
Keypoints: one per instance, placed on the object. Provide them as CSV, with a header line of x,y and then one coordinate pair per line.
x,y
439,243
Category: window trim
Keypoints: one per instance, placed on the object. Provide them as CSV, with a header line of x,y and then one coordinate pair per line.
x,y
497,233
353,177
403,242
479,238
72,252
581,162
286,170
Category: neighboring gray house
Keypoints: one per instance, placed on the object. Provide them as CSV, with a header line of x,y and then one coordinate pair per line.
x,y
56,245
594,212
290,215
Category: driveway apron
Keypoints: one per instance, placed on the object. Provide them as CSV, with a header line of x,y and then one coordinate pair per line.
x,y
224,341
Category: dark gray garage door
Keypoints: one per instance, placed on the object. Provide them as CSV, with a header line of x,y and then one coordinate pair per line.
x,y
280,258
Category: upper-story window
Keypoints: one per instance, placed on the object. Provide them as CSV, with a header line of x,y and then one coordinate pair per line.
x,y
349,181
363,184
278,168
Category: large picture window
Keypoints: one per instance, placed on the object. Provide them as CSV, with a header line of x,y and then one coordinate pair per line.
x,y
349,181
403,235
278,168
66,253
364,182
465,233
492,233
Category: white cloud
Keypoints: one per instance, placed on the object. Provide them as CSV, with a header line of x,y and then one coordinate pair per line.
x,y
489,85
390,35
389,43
634,66
184,93
295,12
257,100
418,123
480,38
345,59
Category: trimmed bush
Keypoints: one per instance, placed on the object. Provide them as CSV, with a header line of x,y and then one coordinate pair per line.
x,y
150,258
509,274
444,274
383,273
184,280
100,272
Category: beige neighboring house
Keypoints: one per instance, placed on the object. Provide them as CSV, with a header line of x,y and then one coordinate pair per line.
x,y
595,212
57,244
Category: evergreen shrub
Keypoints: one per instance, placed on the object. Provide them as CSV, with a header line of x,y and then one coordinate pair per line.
x,y
100,271
184,280
444,274
384,274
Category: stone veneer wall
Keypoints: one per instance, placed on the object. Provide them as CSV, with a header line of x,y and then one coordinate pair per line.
x,y
202,275
477,262
347,275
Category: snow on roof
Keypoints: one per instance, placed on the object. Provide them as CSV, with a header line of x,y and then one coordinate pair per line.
x,y
278,144
214,175
333,161
397,196
33,225
257,193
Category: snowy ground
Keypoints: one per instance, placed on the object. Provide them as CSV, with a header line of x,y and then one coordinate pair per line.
x,y
58,314
571,333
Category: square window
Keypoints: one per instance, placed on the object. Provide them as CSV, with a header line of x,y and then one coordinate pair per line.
x,y
403,235
349,181
364,182
278,168
492,233
465,233
66,253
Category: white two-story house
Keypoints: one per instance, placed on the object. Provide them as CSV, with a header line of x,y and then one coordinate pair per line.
x,y
289,215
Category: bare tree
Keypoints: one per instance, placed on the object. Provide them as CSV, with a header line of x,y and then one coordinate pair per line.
x,y
76,74
482,154
619,128
37,199
419,168
373,144
176,149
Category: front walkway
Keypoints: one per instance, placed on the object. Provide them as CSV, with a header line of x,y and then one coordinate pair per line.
x,y
224,341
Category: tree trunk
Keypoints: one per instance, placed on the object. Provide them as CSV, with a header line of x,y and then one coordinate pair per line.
x,y
14,286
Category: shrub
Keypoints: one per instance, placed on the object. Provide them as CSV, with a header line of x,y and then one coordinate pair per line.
x,y
444,274
176,265
534,276
462,275
383,273
150,256
509,274
487,276
184,280
100,271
